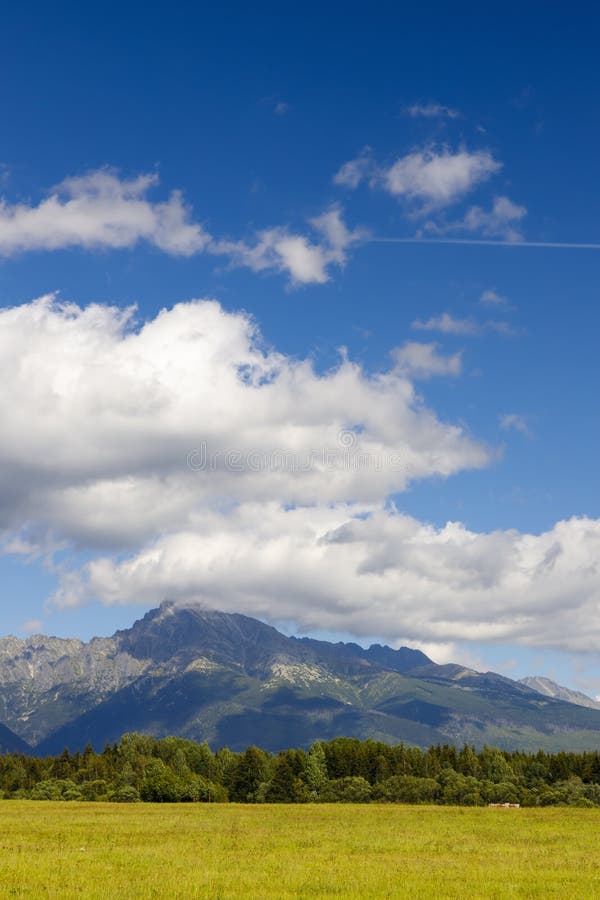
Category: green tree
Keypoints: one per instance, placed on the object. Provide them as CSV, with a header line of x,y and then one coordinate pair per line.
x,y
351,789
160,784
314,774
493,766
459,789
407,789
285,787
250,772
125,794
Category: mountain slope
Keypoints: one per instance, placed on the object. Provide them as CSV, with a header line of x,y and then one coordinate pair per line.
x,y
11,743
233,680
551,689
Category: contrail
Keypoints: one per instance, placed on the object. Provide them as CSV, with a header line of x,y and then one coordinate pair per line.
x,y
554,245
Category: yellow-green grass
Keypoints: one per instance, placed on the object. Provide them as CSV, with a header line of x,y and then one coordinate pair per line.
x,y
103,850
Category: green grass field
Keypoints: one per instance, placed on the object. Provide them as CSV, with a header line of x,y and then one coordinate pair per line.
x,y
103,850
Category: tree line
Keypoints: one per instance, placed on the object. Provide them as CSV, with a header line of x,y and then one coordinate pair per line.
x,y
175,770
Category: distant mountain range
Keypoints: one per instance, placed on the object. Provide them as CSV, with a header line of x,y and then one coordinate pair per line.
x,y
552,689
232,680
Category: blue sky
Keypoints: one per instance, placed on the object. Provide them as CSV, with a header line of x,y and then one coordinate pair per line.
x,y
298,140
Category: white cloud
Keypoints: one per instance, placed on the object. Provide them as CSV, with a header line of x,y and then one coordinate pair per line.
x,y
503,328
98,416
355,170
305,260
422,361
386,574
337,236
494,299
100,210
515,422
437,178
448,324
501,221
277,249
281,108
429,179
32,626
431,111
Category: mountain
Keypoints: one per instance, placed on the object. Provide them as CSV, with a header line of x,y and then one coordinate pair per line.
x,y
551,689
11,743
230,679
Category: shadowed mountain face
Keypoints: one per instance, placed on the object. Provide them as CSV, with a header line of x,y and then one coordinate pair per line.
x,y
11,743
230,679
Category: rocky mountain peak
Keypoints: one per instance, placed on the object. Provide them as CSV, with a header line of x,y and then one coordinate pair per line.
x,y
231,679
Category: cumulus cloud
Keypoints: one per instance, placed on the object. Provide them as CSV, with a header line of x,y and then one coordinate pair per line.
x,y
431,111
114,430
423,361
278,249
100,210
306,260
431,178
437,178
384,574
190,461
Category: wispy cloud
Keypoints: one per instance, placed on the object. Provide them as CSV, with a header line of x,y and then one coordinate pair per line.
x,y
515,422
32,626
501,220
492,298
469,327
424,361
448,324
503,328
431,111
355,170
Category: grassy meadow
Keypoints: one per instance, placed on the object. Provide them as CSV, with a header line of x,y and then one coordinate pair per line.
x,y
103,850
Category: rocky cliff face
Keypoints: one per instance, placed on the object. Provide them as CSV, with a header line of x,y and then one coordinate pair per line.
x,y
230,679
46,681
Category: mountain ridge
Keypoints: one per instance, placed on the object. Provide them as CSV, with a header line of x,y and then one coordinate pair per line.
x,y
550,688
231,679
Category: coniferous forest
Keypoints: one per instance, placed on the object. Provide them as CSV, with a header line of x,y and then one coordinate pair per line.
x,y
174,770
